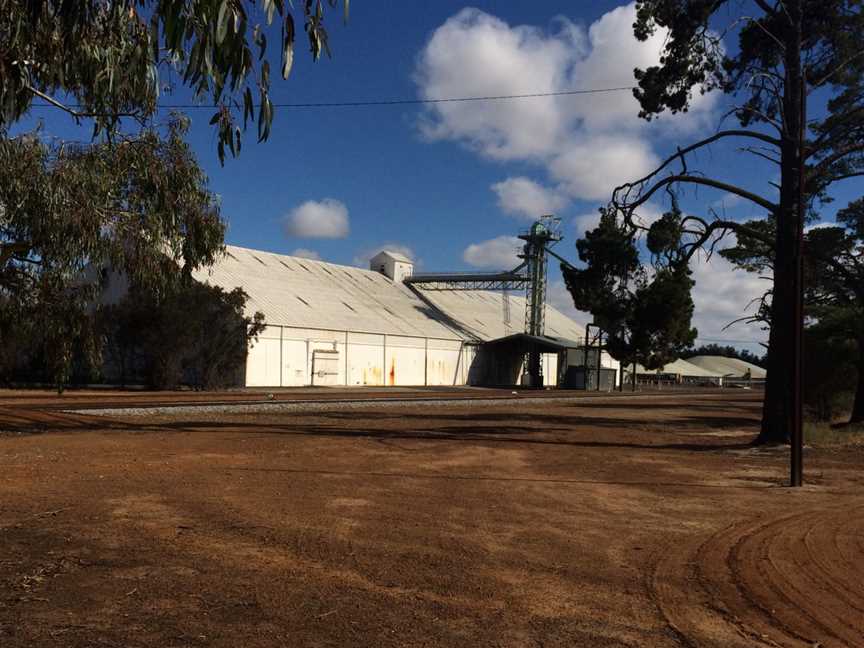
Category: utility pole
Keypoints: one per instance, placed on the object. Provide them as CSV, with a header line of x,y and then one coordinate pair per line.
x,y
796,455
796,131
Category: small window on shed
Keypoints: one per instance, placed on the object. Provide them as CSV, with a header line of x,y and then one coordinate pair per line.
x,y
326,270
302,300
258,260
304,267
231,255
348,306
285,264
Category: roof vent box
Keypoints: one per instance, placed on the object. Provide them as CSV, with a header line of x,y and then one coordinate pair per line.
x,y
393,265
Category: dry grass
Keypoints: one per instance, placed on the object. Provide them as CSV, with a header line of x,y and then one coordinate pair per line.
x,y
828,435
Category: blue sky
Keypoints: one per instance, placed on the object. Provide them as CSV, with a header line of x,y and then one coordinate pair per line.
x,y
446,183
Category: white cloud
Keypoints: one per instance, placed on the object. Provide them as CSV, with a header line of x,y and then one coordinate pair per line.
x,y
823,225
558,296
327,218
476,54
362,257
728,201
499,253
590,167
723,294
524,197
305,253
585,222
589,143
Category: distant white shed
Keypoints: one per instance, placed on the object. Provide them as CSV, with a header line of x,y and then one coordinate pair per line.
x,y
729,367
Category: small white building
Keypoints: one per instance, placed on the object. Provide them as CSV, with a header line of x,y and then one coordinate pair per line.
x,y
330,324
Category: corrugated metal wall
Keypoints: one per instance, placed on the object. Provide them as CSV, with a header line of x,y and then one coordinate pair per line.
x,y
284,356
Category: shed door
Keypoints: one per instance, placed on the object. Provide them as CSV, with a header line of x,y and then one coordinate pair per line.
x,y
325,367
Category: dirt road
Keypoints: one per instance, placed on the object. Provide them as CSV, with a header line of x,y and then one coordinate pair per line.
x,y
624,523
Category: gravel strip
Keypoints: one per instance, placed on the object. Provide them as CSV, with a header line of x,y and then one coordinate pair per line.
x,y
337,405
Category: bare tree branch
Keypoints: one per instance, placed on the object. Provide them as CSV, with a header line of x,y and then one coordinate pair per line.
x,y
691,179
765,7
758,153
681,152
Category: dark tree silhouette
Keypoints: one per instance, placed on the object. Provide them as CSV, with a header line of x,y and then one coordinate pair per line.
x,y
791,55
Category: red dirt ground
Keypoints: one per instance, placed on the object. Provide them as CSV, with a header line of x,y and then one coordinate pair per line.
x,y
636,521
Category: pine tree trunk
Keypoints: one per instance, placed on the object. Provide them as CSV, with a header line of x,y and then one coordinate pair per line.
x,y
778,411
777,402
858,406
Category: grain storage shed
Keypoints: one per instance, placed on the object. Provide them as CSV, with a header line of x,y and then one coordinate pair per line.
x,y
330,324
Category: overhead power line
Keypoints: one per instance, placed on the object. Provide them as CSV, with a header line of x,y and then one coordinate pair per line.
x,y
395,102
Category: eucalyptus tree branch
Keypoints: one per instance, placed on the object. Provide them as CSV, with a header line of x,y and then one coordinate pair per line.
x,y
76,113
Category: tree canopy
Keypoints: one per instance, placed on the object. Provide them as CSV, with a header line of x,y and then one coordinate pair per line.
x,y
134,198
141,207
192,333
727,351
792,57
646,318
109,61
834,299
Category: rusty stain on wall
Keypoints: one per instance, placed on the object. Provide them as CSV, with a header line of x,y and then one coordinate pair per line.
x,y
393,372
372,376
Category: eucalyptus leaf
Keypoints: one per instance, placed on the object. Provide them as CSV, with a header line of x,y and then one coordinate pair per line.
x,y
222,21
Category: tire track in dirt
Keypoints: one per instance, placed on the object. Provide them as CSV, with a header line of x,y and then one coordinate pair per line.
x,y
793,580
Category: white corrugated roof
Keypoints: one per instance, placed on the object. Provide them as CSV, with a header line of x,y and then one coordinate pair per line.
x,y
727,366
292,291
480,313
681,367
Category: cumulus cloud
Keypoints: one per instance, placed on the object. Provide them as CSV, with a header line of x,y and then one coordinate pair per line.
x,y
723,294
305,253
523,197
589,143
499,253
363,256
728,201
558,296
326,219
590,167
